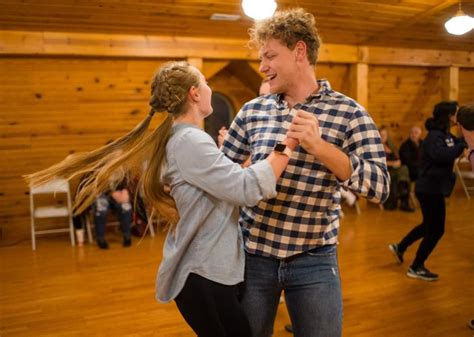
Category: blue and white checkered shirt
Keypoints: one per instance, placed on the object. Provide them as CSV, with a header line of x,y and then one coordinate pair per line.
x,y
305,213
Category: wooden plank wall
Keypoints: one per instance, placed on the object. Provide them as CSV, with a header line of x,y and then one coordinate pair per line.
x,y
51,106
466,85
400,97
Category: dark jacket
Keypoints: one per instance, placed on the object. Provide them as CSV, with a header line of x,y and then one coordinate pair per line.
x,y
410,155
438,153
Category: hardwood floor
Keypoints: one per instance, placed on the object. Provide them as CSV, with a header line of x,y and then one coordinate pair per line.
x,y
64,291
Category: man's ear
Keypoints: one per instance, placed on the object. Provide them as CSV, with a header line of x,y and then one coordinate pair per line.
x,y
301,50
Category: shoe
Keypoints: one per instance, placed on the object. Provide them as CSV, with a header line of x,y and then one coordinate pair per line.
x,y
289,328
102,244
127,242
421,273
396,252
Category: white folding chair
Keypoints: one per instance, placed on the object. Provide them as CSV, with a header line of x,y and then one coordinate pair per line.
x,y
53,187
466,176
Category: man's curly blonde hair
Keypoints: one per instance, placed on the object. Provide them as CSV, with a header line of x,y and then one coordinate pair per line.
x,y
289,27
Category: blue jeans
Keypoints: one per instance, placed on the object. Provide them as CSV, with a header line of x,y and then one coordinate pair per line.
x,y
103,203
312,292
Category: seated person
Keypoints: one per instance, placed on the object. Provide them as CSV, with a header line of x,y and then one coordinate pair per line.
x,y
410,152
116,198
399,176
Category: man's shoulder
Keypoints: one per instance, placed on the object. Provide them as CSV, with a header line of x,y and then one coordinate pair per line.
x,y
344,101
260,103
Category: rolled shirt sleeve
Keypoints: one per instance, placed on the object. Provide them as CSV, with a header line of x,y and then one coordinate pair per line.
x,y
370,177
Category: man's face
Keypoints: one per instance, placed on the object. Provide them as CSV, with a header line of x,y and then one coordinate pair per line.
x,y
415,134
468,136
278,64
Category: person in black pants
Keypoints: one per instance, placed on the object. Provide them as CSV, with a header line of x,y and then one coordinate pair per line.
x,y
435,182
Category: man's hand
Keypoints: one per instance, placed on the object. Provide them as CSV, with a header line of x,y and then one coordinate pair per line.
x,y
305,128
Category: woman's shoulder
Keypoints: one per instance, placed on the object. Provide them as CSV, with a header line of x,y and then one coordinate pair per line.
x,y
187,132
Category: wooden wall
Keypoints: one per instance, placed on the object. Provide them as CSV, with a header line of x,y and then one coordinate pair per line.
x,y
400,97
466,85
51,106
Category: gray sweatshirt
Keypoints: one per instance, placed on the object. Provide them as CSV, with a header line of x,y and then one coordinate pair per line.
x,y
207,187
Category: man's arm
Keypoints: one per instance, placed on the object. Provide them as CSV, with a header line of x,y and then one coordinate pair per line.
x,y
361,165
305,128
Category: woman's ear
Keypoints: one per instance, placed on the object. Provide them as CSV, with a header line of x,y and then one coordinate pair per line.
x,y
194,93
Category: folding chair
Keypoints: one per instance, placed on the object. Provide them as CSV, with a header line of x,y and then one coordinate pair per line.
x,y
53,211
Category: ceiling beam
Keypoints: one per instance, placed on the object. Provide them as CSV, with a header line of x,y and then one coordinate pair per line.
x,y
22,43
383,35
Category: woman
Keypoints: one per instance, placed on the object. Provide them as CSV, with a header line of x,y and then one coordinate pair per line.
x,y
203,259
435,182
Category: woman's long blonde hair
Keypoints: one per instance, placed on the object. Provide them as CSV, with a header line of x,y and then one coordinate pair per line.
x,y
132,152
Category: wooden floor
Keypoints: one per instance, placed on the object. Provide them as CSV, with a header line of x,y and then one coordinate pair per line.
x,y
63,291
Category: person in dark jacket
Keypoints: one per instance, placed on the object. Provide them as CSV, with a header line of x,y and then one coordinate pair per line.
x,y
435,182
410,152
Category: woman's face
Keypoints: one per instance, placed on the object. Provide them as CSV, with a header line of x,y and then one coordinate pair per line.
x,y
205,94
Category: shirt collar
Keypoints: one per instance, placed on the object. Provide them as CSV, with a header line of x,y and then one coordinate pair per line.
x,y
323,90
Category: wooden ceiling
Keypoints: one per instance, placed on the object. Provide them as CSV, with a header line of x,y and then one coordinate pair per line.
x,y
395,23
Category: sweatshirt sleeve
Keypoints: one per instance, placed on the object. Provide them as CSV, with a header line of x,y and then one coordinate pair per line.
x,y
202,164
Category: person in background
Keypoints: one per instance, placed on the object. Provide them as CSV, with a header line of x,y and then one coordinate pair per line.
x,y
290,240
410,153
465,119
116,199
435,182
399,176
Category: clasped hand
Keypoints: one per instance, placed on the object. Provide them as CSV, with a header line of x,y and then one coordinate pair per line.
x,y
305,129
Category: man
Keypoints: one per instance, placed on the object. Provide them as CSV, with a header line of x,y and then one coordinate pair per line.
x,y
290,241
465,119
410,152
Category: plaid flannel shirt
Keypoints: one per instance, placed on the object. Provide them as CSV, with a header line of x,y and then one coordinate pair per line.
x,y
305,213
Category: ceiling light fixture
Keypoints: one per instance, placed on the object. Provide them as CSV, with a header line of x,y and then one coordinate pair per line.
x,y
460,23
259,9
